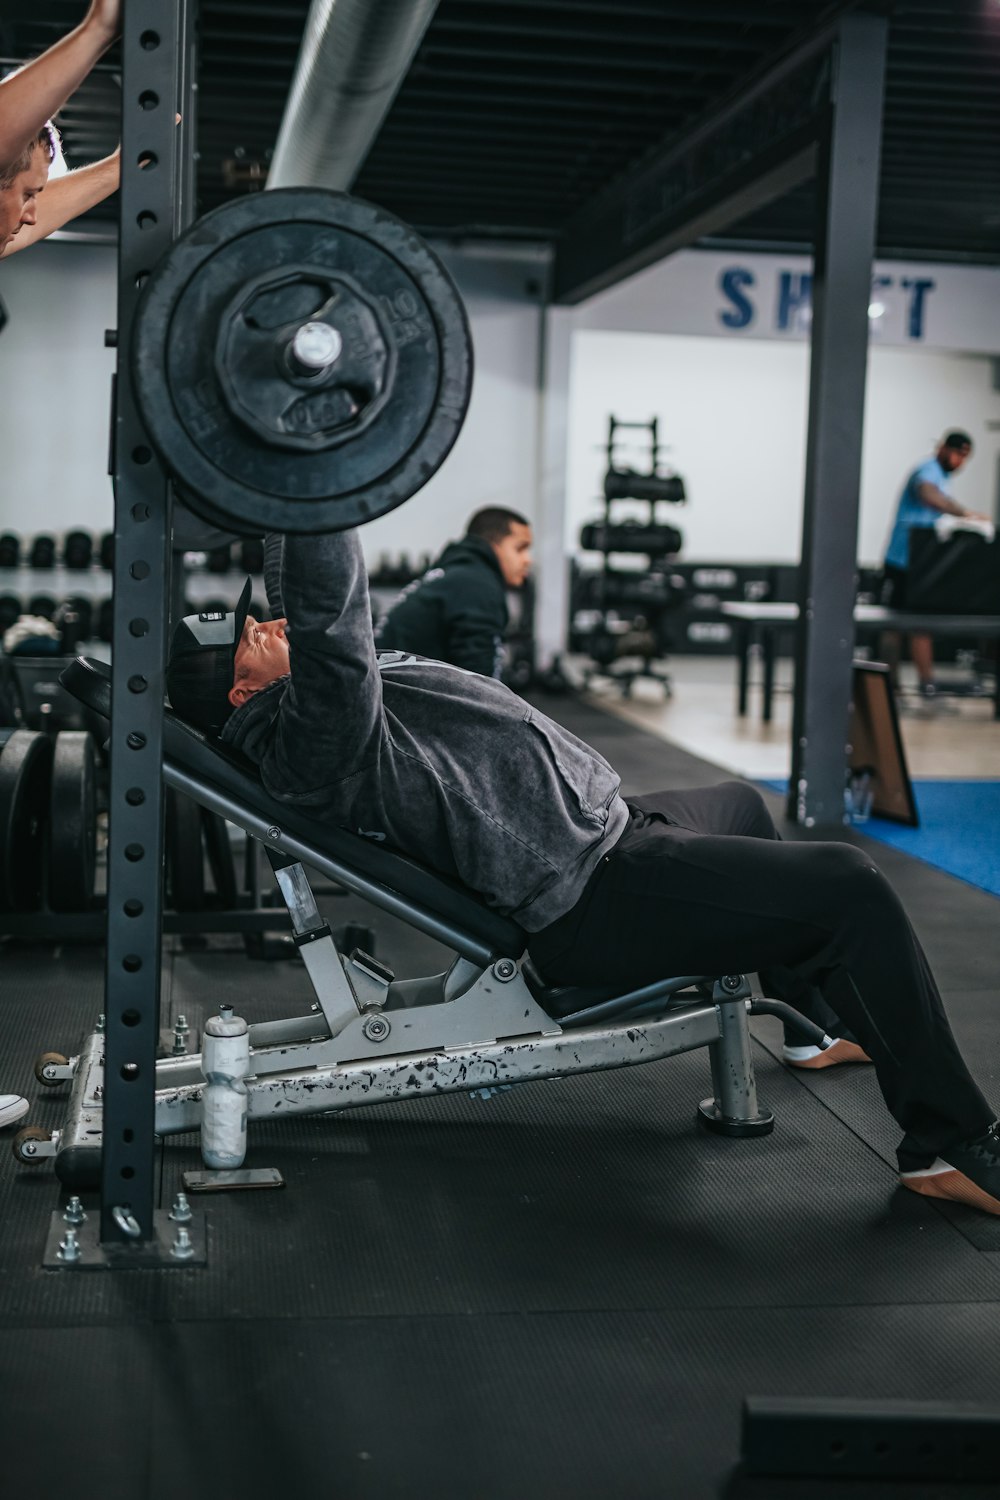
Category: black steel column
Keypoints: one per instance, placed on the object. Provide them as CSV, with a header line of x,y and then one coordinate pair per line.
x,y
151,58
847,192
185,200
185,212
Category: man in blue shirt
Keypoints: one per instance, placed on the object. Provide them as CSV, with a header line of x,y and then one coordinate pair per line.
x,y
926,496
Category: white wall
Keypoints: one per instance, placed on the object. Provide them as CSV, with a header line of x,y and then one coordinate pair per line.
x,y
910,401
55,388
55,382
731,401
729,295
733,413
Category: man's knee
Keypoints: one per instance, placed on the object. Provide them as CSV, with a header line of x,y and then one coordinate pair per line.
x,y
751,817
851,880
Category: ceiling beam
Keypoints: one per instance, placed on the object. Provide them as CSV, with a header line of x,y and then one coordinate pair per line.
x,y
756,146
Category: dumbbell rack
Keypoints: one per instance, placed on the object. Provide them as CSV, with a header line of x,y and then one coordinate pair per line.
x,y
648,658
75,595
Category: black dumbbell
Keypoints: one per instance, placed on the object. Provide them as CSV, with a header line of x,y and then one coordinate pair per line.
x,y
105,620
10,550
85,609
626,484
67,622
219,559
43,553
43,605
10,610
252,555
106,552
75,618
78,550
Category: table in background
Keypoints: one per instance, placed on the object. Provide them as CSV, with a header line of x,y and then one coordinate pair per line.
x,y
761,625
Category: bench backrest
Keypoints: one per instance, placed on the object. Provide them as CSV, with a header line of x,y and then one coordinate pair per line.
x,y
206,760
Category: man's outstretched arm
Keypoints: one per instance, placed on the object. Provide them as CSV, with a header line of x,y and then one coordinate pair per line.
x,y
929,494
42,87
67,197
330,723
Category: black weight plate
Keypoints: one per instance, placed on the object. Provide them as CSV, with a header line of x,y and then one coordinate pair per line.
x,y
10,610
191,533
43,553
41,605
73,822
185,853
25,780
78,549
105,620
180,342
214,521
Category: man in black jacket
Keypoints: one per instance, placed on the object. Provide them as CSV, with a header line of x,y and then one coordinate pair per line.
x,y
457,771
457,612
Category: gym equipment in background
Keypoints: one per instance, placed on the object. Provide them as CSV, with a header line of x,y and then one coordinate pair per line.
x,y
78,550
72,862
876,762
43,553
25,782
53,790
620,615
955,575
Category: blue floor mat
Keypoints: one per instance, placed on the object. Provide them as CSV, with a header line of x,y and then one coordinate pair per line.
x,y
959,829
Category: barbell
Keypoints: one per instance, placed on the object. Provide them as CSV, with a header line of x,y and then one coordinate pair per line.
x,y
302,362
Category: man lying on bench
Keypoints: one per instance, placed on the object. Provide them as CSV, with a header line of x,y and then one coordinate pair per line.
x,y
458,771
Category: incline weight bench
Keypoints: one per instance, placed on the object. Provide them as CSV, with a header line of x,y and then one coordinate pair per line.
x,y
370,1038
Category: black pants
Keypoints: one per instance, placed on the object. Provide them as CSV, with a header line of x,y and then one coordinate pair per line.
x,y
892,593
700,882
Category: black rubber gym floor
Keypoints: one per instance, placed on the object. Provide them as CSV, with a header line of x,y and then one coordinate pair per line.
x,y
562,1291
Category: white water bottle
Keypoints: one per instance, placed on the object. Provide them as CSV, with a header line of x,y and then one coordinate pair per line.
x,y
225,1063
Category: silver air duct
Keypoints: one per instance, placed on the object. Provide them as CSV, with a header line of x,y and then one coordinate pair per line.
x,y
355,54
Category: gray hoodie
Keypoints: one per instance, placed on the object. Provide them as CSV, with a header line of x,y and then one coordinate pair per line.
x,y
451,768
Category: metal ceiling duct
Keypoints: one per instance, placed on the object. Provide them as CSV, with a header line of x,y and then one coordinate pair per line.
x,y
355,54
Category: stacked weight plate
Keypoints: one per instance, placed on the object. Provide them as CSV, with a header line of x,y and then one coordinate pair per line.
x,y
48,821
